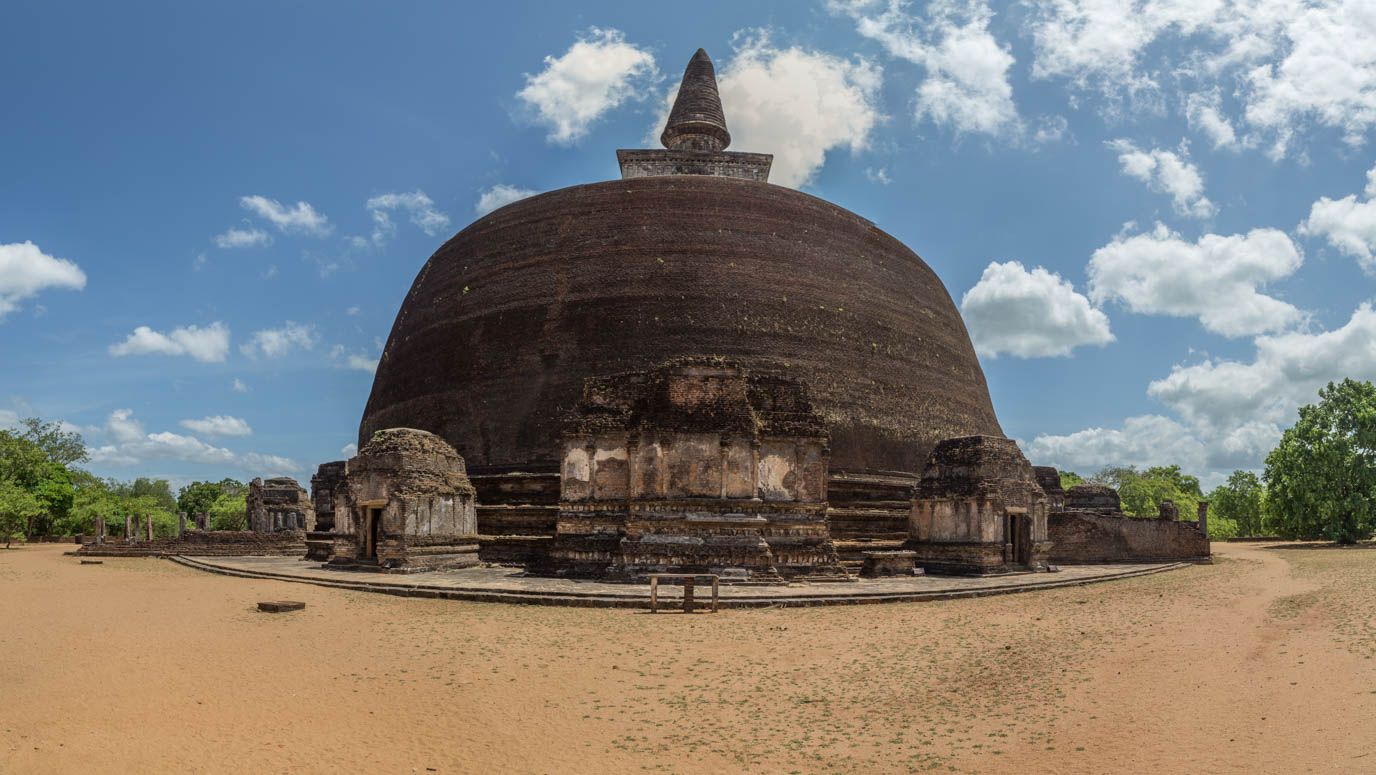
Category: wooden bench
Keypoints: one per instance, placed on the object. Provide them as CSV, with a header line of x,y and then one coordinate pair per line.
x,y
688,581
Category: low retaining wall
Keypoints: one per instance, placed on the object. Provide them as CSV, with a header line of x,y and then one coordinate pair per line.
x,y
205,543
1082,537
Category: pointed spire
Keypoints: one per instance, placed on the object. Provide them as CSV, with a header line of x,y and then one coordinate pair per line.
x,y
697,123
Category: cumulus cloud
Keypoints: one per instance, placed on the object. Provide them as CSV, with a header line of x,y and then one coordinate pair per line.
x,y
358,361
1286,372
25,270
238,386
1143,441
131,445
219,425
1291,64
301,219
276,342
1348,224
1166,172
209,344
419,208
1215,278
966,87
499,196
599,72
243,238
1030,314
794,103
349,450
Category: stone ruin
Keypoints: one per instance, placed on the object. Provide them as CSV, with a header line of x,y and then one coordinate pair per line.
x,y
697,466
405,505
1168,510
278,504
978,509
327,479
1098,498
1049,479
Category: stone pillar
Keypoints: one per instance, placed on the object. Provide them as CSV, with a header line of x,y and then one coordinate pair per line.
x,y
632,452
129,527
1204,518
725,452
148,525
591,450
100,529
755,470
203,519
181,524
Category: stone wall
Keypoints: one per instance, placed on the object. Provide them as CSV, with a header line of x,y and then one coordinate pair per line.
x,y
205,543
279,504
1084,537
328,478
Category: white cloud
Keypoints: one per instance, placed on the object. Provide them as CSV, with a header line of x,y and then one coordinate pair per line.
x,y
9,419
219,425
354,310
421,210
362,363
880,175
1204,112
239,387
966,87
1291,64
275,342
1215,278
349,450
243,238
270,272
1144,441
1032,314
1349,225
498,196
598,73
209,344
25,270
130,445
793,103
1287,371
301,219
1167,172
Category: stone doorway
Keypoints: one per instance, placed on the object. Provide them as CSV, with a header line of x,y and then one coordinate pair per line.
x,y
370,531
1017,537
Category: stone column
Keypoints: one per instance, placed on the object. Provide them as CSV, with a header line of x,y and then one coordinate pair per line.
x,y
100,529
755,469
591,450
1204,518
129,527
148,525
181,524
632,452
203,520
725,453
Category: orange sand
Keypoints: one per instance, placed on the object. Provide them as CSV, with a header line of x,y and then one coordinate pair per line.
x,y
1262,662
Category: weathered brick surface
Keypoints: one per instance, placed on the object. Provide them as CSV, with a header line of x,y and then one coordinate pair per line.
x,y
1080,537
205,543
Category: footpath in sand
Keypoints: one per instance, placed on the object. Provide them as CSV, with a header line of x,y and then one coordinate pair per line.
x,y
1263,662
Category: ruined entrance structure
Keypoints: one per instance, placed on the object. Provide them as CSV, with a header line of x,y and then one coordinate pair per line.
x,y
1092,528
279,504
695,466
692,254
406,505
979,509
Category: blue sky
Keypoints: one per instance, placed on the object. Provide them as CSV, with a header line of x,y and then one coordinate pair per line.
x,y
1158,217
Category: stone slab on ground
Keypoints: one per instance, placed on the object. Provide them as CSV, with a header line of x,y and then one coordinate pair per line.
x,y
280,606
506,585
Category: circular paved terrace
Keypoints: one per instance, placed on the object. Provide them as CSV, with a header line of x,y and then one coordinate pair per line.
x,y
509,585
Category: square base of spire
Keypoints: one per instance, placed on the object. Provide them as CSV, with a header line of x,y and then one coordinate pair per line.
x,y
724,164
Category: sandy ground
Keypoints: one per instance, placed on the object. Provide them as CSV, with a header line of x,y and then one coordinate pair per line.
x,y
1263,662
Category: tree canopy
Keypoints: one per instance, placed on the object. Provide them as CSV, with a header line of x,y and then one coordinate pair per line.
x,y
1321,477
1241,501
1143,492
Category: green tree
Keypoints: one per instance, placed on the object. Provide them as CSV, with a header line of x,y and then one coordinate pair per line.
x,y
200,496
1070,479
66,448
1321,477
18,507
1142,492
229,512
1241,501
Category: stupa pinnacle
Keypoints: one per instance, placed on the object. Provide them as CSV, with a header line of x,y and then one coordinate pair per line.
x,y
695,136
696,122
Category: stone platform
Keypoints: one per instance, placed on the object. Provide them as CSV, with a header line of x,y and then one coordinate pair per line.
x,y
507,585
